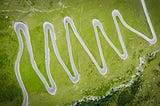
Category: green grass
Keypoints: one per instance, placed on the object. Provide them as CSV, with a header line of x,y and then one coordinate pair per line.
x,y
144,91
82,12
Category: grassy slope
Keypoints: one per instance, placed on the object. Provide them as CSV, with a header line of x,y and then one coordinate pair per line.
x,y
91,82
142,92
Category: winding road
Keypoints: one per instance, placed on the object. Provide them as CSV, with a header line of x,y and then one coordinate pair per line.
x,y
49,30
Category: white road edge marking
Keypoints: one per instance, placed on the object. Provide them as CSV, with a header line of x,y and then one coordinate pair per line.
x,y
67,20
